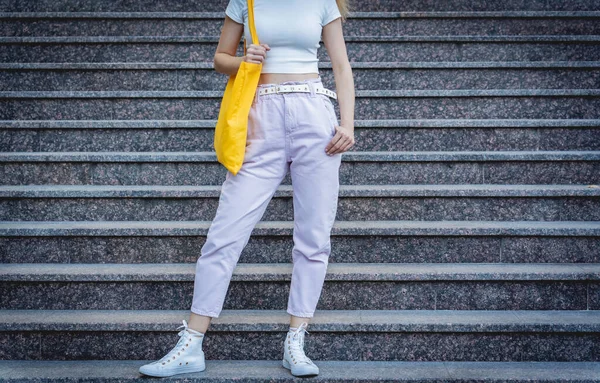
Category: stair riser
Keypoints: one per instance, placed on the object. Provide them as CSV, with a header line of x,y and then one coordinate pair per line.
x,y
115,27
220,5
273,295
368,108
366,139
281,209
129,248
353,27
357,51
420,346
351,173
365,79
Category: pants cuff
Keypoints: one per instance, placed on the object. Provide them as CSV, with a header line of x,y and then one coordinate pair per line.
x,y
211,314
300,314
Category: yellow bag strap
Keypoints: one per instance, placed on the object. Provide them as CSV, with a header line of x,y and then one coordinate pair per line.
x,y
251,25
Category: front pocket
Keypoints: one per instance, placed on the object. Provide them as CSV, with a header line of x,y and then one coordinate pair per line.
x,y
330,113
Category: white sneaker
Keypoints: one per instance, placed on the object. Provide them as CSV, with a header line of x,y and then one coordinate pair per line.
x,y
294,358
186,356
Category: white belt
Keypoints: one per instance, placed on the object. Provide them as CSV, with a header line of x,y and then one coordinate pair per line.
x,y
296,88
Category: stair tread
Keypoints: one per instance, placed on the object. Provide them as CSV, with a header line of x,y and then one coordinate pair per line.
x,y
352,15
323,320
322,64
282,271
380,156
396,227
379,123
367,38
271,370
520,92
363,190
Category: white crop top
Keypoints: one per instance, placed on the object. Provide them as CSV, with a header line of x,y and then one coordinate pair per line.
x,y
291,28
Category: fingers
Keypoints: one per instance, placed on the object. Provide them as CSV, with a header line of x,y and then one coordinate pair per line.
x,y
332,143
256,53
337,147
253,58
340,143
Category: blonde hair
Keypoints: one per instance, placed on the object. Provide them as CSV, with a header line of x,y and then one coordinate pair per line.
x,y
343,7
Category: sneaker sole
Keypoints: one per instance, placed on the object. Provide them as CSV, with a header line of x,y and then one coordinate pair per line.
x,y
286,364
178,371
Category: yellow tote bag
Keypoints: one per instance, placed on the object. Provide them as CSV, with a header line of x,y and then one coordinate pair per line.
x,y
232,125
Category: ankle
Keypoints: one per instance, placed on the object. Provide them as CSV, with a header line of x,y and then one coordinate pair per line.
x,y
195,332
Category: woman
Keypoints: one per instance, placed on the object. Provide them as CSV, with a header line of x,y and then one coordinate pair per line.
x,y
289,129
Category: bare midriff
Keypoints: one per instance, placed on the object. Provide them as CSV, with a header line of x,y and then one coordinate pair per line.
x,y
276,78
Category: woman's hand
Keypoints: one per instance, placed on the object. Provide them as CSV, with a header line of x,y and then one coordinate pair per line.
x,y
342,141
256,53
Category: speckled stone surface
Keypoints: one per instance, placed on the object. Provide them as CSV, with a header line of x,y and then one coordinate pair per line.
x,y
350,295
473,78
57,140
172,24
128,209
352,286
116,174
532,249
386,48
262,249
280,208
218,6
594,296
259,371
420,335
91,80
370,135
340,321
558,244
376,168
285,228
391,104
503,24
151,26
143,52
377,76
363,24
467,51
400,346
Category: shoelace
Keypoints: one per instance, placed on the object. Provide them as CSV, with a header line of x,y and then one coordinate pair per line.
x,y
297,345
180,346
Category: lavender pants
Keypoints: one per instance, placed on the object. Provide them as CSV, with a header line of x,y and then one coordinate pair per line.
x,y
286,131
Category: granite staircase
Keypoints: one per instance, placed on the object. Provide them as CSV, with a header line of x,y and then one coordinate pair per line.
x,y
467,241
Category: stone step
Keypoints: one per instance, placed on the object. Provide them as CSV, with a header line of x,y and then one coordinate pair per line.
x,y
258,371
357,168
220,5
367,76
271,242
356,203
370,104
358,24
401,335
359,48
348,286
370,135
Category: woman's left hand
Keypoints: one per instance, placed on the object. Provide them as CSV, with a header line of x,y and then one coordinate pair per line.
x,y
342,141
